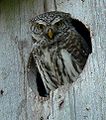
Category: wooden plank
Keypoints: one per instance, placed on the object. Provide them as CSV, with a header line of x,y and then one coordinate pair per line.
x,y
88,92
85,99
15,45
50,5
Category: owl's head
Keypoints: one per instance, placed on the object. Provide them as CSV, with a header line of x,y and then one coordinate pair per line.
x,y
50,25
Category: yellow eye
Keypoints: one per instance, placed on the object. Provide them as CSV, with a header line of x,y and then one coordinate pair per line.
x,y
60,24
37,28
40,26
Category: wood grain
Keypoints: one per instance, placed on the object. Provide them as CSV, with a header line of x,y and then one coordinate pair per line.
x,y
85,99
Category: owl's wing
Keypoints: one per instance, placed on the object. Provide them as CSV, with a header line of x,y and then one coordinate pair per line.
x,y
79,50
84,32
34,78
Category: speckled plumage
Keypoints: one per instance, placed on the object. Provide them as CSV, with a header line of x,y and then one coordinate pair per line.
x,y
50,16
59,51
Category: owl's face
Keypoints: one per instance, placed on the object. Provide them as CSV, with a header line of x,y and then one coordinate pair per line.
x,y
49,26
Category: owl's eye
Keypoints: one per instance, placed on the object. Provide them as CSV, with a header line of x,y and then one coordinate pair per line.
x,y
37,28
60,24
40,26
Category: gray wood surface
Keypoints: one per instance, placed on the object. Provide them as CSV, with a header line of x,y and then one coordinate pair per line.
x,y
85,99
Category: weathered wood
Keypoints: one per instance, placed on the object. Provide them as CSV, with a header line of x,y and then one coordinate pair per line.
x,y
85,99
15,44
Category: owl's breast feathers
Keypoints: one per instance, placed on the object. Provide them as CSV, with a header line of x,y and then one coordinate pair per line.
x,y
58,65
73,43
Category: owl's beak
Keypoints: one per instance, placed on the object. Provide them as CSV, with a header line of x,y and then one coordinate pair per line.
x,y
50,33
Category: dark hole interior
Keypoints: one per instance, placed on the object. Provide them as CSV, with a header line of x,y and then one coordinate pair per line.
x,y
1,91
40,86
83,31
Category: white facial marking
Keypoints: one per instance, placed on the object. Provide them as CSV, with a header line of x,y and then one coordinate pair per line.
x,y
68,64
55,20
41,22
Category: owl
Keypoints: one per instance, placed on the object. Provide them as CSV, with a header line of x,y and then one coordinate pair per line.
x,y
61,46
